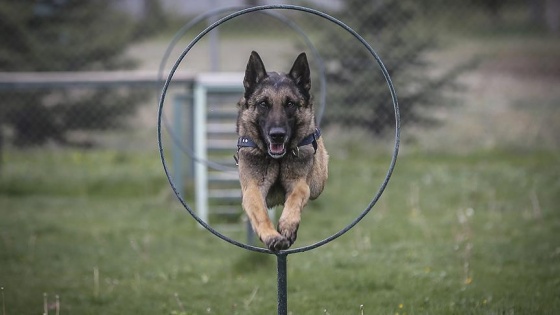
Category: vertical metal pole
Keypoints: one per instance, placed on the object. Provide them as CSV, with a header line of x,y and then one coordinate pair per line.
x,y
200,170
214,42
178,116
190,131
250,233
282,284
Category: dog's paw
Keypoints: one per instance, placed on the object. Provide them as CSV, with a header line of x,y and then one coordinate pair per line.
x,y
276,243
288,230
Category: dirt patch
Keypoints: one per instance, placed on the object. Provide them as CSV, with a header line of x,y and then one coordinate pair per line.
x,y
523,65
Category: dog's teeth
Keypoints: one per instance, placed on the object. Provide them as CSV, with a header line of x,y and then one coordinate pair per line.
x,y
277,148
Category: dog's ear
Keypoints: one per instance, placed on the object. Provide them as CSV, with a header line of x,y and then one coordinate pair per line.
x,y
300,72
254,73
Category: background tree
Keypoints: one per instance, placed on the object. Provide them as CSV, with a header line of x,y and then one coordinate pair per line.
x,y
392,28
63,35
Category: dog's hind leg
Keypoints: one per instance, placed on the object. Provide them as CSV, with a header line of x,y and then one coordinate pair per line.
x,y
296,199
254,205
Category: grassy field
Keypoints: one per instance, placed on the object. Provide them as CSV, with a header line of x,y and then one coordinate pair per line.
x,y
453,234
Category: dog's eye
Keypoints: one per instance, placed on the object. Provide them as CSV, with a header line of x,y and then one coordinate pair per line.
x,y
291,104
263,104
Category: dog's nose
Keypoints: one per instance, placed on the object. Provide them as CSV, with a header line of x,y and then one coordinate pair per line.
x,y
277,134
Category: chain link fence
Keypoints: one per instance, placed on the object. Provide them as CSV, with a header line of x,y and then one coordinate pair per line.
x,y
50,36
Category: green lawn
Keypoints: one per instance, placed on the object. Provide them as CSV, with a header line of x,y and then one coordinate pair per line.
x,y
453,234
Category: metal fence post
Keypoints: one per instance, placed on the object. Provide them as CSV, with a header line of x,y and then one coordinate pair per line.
x,y
200,168
178,116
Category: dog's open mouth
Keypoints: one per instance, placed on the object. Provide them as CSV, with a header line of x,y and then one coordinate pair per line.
x,y
276,150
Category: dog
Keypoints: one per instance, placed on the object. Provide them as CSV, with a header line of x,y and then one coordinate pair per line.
x,y
281,156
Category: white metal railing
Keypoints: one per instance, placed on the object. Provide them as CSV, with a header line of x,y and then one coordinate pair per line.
x,y
204,84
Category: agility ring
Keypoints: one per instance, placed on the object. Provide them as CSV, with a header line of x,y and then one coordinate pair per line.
x,y
281,254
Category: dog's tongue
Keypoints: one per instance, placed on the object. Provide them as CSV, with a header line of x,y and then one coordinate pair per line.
x,y
277,148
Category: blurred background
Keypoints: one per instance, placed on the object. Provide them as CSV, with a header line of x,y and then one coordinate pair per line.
x,y
83,194
483,70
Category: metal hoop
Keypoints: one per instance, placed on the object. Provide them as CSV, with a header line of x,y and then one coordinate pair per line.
x,y
395,106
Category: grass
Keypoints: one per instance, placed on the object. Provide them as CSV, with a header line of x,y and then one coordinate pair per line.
x,y
452,234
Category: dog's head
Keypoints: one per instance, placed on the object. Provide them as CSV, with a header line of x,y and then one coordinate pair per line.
x,y
277,102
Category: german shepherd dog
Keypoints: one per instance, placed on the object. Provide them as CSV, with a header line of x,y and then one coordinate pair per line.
x,y
281,156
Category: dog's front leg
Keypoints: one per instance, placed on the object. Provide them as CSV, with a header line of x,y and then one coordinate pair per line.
x,y
254,205
296,199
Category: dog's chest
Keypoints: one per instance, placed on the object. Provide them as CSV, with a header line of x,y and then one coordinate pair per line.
x,y
276,195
